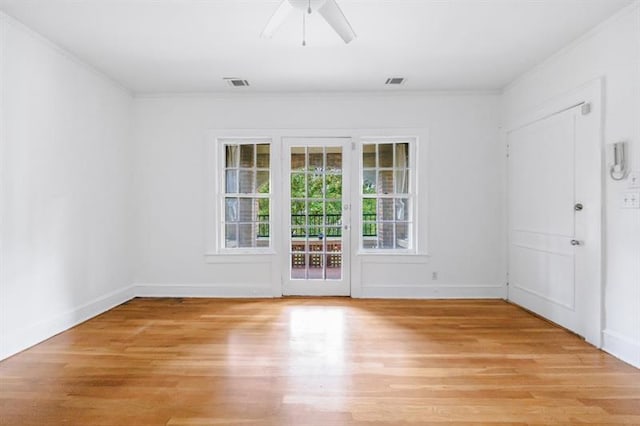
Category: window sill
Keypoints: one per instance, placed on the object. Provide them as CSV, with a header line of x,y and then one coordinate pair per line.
x,y
392,257
247,257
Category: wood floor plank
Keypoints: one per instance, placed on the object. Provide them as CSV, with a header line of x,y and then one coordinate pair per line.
x,y
305,361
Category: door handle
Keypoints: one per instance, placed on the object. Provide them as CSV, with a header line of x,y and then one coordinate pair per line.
x,y
575,243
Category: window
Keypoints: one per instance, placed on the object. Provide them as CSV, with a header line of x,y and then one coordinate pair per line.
x,y
387,196
246,195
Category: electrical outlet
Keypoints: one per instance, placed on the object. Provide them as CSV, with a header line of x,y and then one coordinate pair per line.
x,y
630,200
634,179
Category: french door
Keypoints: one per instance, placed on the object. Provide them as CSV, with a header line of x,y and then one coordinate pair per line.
x,y
317,216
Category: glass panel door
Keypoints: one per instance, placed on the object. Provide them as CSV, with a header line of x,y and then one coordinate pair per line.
x,y
317,221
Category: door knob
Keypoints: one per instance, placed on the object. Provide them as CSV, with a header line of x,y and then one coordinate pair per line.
x,y
575,242
578,207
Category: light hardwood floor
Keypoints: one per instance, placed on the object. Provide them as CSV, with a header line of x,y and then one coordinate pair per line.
x,y
316,362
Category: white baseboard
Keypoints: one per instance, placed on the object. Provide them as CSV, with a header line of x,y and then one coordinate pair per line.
x,y
622,347
435,292
24,338
202,290
383,292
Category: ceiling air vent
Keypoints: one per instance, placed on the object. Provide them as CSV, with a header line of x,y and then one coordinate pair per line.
x,y
236,82
395,81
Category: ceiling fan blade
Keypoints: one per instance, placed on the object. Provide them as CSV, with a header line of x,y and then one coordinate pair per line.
x,y
332,13
277,19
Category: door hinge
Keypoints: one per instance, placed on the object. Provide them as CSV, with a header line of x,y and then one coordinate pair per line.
x,y
507,150
353,146
585,108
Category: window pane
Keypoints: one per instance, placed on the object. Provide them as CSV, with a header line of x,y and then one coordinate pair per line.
x,y
386,209
263,230
385,182
298,207
231,181
369,229
402,235
315,184
334,209
402,155
401,181
369,155
334,159
247,210
247,235
231,156
262,182
247,155
333,219
263,209
299,232
316,158
334,187
263,155
247,181
316,230
298,266
385,235
231,210
316,208
369,209
298,161
316,267
298,247
315,218
298,185
385,154
402,209
231,236
333,232
370,243
369,182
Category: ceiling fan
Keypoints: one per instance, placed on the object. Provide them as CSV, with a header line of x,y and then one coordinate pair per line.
x,y
328,9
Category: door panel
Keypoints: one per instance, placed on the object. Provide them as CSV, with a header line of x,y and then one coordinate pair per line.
x,y
542,218
317,219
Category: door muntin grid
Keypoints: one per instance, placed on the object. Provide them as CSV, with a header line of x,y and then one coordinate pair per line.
x,y
316,213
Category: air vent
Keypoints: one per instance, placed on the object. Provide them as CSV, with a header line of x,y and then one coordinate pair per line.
x,y
395,81
236,82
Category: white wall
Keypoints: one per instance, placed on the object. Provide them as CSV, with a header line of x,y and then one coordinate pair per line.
x,y
65,164
611,51
462,184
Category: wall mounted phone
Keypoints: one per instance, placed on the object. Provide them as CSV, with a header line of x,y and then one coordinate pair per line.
x,y
618,170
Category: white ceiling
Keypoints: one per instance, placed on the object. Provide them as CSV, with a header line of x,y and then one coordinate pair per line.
x,y
190,45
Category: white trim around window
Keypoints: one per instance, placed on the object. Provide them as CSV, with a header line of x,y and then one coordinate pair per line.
x,y
387,184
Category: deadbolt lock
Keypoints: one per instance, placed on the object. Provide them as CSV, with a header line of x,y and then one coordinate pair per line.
x,y
578,207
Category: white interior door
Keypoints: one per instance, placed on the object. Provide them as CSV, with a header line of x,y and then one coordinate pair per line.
x,y
317,217
553,230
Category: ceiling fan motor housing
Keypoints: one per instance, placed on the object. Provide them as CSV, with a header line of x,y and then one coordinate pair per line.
x,y
305,4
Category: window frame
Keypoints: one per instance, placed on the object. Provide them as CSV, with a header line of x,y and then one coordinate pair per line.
x,y
412,195
221,195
